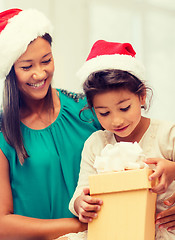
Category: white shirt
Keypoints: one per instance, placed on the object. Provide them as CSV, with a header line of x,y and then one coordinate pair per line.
x,y
157,142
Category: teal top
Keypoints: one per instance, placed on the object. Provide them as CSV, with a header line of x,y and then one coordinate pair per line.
x,y
43,186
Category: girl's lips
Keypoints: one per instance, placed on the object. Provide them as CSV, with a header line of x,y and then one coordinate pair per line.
x,y
120,129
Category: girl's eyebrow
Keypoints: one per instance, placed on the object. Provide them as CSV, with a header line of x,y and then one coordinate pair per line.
x,y
99,107
124,100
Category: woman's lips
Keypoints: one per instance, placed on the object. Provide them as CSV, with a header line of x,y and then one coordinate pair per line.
x,y
37,85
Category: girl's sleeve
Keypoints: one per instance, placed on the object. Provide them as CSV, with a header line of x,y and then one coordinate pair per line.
x,y
92,148
166,138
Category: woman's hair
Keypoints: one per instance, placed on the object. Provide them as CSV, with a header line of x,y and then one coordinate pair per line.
x,y
12,102
112,79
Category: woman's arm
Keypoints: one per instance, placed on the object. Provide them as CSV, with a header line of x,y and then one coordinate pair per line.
x,y
18,227
166,219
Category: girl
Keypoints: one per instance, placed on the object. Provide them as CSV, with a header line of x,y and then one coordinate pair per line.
x,y
41,134
116,91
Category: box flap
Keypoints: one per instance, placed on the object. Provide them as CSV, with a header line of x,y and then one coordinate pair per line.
x,y
120,181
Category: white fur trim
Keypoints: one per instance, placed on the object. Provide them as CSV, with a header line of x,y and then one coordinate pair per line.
x,y
18,33
116,61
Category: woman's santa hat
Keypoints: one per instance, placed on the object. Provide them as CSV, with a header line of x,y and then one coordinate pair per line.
x,y
17,29
111,55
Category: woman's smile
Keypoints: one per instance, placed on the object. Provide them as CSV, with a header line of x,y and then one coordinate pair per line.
x,y
37,85
34,70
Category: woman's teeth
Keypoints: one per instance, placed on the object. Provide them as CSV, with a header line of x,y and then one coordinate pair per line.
x,y
36,84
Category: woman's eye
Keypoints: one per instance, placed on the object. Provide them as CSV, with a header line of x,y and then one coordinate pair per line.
x,y
47,61
104,114
26,67
125,109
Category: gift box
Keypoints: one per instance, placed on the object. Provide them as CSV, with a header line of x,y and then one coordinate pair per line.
x,y
128,210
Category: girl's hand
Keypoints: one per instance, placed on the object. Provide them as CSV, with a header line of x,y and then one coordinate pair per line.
x,y
166,219
164,172
87,206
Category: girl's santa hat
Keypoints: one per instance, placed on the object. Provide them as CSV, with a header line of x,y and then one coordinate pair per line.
x,y
111,55
17,29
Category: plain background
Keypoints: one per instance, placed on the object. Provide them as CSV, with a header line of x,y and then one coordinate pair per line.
x,y
149,25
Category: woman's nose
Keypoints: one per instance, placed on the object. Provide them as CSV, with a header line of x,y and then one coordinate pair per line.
x,y
39,74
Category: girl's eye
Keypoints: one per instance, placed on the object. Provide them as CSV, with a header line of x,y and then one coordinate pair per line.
x,y
125,109
26,67
104,114
47,61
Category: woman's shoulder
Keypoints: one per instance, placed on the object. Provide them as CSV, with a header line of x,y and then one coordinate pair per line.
x,y
71,101
72,96
6,148
71,105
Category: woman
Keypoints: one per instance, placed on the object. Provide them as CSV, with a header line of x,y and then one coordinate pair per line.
x,y
41,134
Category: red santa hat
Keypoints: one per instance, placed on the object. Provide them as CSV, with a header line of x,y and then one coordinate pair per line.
x,y
111,55
17,29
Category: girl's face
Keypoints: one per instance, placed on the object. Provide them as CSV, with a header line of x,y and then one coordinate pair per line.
x,y
119,111
34,70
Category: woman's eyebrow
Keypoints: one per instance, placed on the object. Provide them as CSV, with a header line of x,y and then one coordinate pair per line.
x,y
30,60
47,54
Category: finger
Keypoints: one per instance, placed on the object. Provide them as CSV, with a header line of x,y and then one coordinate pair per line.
x,y
88,214
167,213
86,191
161,187
171,228
90,207
156,174
167,225
165,220
159,190
92,200
170,201
84,219
151,160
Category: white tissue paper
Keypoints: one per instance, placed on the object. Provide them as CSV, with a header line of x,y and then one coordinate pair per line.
x,y
120,156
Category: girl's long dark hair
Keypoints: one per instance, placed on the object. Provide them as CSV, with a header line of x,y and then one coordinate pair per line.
x,y
11,112
112,79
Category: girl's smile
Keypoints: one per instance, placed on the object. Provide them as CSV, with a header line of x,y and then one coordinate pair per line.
x,y
121,129
119,111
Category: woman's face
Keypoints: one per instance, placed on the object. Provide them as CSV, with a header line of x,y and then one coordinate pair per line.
x,y
119,111
34,70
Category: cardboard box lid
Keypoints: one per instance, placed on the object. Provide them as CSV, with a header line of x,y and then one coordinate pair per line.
x,y
120,181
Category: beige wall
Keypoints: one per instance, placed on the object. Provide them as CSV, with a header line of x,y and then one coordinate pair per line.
x,y
147,24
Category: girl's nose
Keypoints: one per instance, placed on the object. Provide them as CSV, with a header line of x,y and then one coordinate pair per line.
x,y
117,121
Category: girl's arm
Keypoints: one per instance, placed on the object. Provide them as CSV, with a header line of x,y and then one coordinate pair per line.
x,y
18,227
81,199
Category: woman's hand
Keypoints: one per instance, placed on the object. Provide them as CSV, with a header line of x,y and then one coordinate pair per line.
x,y
166,219
164,172
87,206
